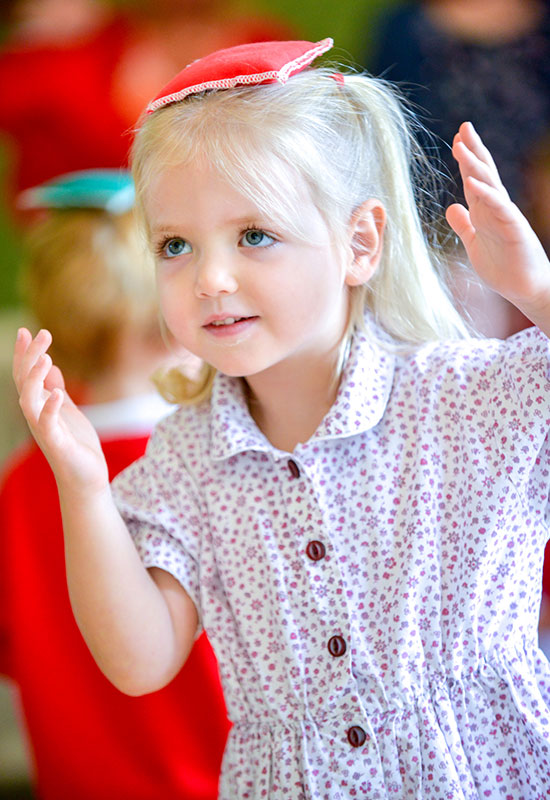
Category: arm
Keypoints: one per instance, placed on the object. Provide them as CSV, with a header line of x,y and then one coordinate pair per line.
x,y
499,241
138,624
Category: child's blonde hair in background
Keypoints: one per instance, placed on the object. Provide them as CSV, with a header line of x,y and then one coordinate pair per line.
x,y
349,142
87,276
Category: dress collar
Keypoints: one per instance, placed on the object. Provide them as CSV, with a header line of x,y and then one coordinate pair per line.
x,y
360,403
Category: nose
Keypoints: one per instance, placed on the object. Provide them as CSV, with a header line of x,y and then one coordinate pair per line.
x,y
215,275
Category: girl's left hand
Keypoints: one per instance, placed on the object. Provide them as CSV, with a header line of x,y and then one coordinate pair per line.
x,y
500,243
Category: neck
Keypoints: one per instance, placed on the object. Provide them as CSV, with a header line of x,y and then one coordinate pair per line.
x,y
289,401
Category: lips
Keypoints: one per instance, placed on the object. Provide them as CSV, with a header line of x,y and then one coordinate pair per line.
x,y
228,325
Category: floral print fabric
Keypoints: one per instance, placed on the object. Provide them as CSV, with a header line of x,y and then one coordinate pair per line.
x,y
396,656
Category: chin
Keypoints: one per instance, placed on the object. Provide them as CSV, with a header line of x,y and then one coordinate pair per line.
x,y
240,370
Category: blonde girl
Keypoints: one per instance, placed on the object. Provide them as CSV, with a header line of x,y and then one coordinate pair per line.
x,y
354,507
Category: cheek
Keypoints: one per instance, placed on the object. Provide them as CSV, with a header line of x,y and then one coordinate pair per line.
x,y
172,284
164,298
173,307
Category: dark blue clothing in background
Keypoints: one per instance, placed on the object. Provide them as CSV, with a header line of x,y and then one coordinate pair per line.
x,y
504,88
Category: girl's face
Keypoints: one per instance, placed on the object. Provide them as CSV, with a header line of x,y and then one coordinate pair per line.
x,y
237,290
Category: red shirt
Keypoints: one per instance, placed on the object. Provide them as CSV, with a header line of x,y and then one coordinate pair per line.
x,y
56,106
62,106
88,740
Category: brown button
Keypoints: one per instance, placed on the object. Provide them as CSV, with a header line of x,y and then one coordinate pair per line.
x,y
356,736
315,550
294,469
336,646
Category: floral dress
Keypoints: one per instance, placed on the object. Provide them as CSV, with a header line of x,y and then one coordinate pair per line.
x,y
372,597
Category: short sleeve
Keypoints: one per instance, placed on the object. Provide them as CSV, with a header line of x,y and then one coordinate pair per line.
x,y
520,398
519,417
161,507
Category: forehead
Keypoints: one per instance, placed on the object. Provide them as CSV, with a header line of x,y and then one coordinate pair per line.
x,y
199,193
194,190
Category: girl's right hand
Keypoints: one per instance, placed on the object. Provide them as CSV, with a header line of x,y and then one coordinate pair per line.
x,y
62,431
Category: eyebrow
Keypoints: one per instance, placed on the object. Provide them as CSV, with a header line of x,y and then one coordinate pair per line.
x,y
163,229
234,222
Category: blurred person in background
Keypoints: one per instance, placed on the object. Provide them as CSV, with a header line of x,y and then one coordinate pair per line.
x,y
90,279
76,74
56,64
432,48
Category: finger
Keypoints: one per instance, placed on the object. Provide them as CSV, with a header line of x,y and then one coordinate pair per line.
x,y
22,343
55,382
470,139
481,192
479,182
54,379
473,141
32,395
51,407
458,218
472,166
34,350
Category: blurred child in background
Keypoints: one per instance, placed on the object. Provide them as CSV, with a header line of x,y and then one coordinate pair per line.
x,y
97,64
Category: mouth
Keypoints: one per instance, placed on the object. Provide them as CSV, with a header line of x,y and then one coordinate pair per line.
x,y
229,325
227,321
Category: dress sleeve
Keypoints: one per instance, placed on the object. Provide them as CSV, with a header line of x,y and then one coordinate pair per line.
x,y
161,507
520,412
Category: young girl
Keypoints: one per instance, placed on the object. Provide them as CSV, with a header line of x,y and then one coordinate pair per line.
x,y
353,509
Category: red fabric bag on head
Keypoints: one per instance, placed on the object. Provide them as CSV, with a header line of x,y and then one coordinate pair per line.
x,y
245,64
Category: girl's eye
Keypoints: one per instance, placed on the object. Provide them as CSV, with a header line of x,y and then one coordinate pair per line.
x,y
172,248
254,237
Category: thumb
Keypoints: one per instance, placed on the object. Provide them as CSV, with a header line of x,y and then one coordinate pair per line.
x,y
458,218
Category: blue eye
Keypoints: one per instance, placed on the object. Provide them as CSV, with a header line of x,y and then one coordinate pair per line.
x,y
172,248
254,237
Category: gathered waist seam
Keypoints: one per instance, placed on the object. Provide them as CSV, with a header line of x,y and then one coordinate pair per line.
x,y
435,685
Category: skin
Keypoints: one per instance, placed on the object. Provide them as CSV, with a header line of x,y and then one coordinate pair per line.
x,y
289,293
491,22
500,243
140,624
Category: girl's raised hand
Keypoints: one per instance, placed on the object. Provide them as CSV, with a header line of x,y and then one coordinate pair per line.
x,y
62,431
500,243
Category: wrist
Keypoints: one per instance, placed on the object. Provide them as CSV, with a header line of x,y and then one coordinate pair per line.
x,y
83,493
537,310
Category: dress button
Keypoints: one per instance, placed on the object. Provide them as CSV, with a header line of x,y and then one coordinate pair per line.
x,y
337,646
315,550
294,469
356,736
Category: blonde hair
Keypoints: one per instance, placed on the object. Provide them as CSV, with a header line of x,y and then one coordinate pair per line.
x,y
349,142
87,275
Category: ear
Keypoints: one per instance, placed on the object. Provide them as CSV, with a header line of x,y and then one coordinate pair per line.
x,y
366,237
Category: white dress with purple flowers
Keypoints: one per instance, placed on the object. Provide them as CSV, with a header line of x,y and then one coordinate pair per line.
x,y
372,597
